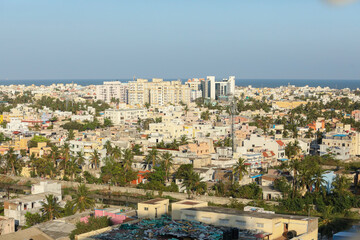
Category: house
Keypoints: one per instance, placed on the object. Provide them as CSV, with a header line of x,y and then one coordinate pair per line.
x,y
153,208
18,207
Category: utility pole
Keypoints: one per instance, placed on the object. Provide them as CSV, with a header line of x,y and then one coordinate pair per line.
x,y
232,124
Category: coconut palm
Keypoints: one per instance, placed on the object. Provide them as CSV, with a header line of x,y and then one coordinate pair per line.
x,y
318,179
193,183
80,159
54,154
73,167
183,140
108,146
95,159
240,169
32,162
66,156
152,157
13,161
167,160
116,153
341,184
82,201
51,208
127,159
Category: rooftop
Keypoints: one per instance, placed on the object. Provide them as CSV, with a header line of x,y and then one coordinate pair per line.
x,y
232,211
154,201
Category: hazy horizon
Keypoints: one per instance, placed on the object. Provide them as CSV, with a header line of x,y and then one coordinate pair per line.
x,y
179,39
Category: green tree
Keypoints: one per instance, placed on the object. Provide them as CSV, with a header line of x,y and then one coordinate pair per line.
x,y
167,160
152,157
240,169
82,201
51,208
95,159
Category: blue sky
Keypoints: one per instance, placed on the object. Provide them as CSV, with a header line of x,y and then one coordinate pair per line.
x,y
114,39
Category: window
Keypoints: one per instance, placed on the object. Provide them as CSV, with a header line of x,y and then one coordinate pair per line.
x,y
241,223
224,221
259,225
206,219
146,208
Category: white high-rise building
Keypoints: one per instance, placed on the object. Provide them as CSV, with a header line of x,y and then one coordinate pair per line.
x,y
112,89
218,89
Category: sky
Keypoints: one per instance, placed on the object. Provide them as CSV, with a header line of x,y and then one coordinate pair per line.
x,y
115,39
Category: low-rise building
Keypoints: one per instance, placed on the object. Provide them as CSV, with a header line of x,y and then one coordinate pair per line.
x,y
270,225
153,208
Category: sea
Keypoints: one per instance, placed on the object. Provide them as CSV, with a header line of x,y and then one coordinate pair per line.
x,y
257,83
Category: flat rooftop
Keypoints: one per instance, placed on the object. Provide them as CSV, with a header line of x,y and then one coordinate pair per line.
x,y
154,201
32,197
232,211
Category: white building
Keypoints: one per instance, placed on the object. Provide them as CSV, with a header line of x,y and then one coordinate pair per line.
x,y
18,207
121,116
112,89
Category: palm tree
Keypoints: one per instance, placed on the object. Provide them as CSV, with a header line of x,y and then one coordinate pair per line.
x,y
71,135
294,165
82,200
73,167
193,183
50,207
12,160
240,169
95,158
127,159
152,157
183,140
341,184
167,159
66,155
32,162
116,153
54,154
80,159
319,180
108,146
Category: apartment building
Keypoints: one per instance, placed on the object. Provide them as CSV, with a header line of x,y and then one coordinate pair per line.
x,y
122,116
158,92
338,144
112,89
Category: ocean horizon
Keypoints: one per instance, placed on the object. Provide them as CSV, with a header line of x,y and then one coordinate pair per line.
x,y
257,83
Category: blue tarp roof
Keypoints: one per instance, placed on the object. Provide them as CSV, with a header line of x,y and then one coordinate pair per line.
x,y
256,176
340,135
283,159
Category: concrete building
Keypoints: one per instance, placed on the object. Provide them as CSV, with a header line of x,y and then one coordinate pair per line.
x,y
18,207
122,116
82,118
158,92
153,208
184,204
112,89
7,225
268,225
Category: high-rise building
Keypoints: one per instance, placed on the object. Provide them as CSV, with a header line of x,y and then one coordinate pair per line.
x,y
158,92
218,89
112,89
